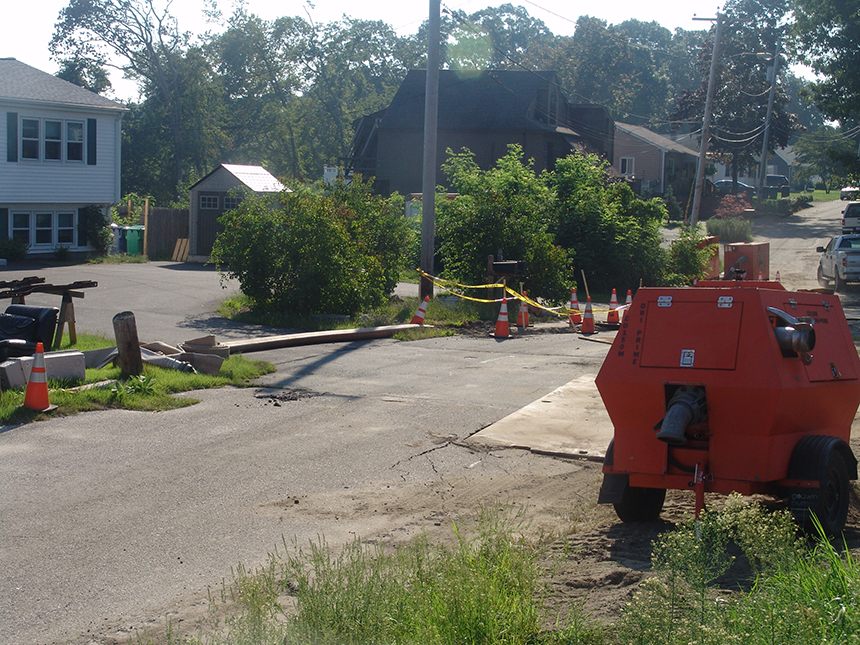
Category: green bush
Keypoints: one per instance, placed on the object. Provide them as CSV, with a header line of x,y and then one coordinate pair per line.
x,y
730,229
508,209
674,209
688,258
609,233
13,250
336,250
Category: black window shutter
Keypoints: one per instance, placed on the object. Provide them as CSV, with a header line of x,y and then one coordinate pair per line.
x,y
91,142
11,137
4,223
82,226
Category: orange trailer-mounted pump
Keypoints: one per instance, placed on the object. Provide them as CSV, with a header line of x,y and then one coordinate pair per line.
x,y
731,386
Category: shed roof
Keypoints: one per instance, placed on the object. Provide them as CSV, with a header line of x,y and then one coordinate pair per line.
x,y
20,82
257,178
487,100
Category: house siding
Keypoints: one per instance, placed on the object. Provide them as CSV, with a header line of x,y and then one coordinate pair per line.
x,y
63,182
648,160
400,154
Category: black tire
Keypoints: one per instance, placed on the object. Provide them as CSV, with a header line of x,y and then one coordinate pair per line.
x,y
838,283
822,279
832,506
824,459
640,504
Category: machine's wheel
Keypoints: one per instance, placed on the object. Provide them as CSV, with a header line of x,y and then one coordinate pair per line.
x,y
822,280
640,504
824,459
832,507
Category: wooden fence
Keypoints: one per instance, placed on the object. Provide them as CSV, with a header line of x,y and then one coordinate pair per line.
x,y
165,226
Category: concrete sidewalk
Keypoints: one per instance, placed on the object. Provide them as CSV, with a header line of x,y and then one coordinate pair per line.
x,y
569,422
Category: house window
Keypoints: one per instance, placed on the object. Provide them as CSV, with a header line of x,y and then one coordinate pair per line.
x,y
50,139
670,168
232,203
21,227
625,165
209,202
30,138
66,228
44,229
74,141
53,140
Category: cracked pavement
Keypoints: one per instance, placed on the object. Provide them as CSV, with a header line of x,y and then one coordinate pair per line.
x,y
114,521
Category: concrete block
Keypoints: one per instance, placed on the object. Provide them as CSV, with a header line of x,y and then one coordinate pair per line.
x,y
12,374
70,365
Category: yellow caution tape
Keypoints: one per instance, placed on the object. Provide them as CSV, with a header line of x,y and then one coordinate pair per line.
x,y
447,285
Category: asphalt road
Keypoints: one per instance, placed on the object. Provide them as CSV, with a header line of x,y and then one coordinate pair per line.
x,y
113,520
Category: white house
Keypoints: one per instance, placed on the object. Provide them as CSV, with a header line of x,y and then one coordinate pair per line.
x,y
219,191
59,153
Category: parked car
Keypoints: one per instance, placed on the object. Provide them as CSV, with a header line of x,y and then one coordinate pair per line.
x,y
849,192
724,187
851,218
840,261
780,183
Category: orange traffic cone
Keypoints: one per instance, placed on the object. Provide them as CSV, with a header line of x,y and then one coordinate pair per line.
x,y
588,318
36,397
777,276
418,318
575,316
627,302
612,316
521,316
502,328
525,306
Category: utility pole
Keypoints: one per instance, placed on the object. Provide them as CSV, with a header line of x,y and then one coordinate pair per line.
x,y
706,124
431,114
762,173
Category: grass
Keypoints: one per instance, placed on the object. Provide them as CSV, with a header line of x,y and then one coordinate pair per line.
x,y
152,392
118,258
822,196
485,590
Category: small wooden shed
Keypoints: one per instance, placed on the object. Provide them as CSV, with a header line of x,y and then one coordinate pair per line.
x,y
216,193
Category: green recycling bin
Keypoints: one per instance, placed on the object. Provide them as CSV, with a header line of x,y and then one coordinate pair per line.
x,y
134,239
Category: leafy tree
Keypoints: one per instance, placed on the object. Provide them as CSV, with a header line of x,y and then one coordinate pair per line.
x,y
294,88
742,87
504,208
600,64
84,73
825,35
820,154
609,232
146,41
334,250
492,38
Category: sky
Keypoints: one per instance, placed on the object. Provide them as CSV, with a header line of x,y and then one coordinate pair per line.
x,y
27,32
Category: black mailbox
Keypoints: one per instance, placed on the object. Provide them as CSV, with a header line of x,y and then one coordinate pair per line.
x,y
510,267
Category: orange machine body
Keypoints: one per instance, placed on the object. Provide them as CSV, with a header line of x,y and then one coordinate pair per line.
x,y
719,336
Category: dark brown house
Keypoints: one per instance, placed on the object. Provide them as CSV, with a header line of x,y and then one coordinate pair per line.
x,y
481,111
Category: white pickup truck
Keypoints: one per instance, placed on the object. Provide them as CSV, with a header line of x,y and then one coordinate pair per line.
x,y
840,261
851,218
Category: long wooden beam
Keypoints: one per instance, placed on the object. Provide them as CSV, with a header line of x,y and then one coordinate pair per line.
x,y
315,338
